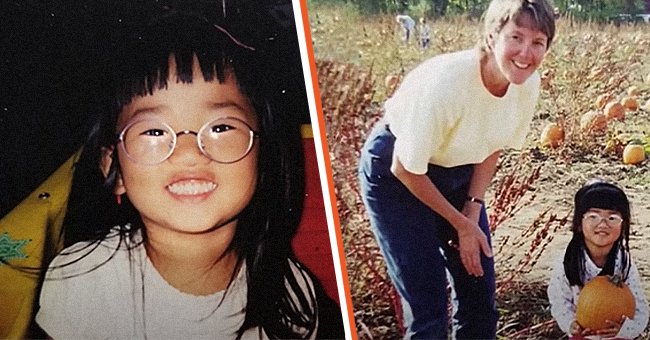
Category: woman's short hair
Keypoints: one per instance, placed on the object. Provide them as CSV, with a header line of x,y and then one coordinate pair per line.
x,y
500,12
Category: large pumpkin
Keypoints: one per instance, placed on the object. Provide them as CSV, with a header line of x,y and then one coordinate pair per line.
x,y
604,298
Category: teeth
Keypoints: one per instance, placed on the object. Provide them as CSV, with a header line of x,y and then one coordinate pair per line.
x,y
520,65
191,187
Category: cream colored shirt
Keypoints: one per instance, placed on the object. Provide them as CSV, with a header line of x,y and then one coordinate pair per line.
x,y
443,115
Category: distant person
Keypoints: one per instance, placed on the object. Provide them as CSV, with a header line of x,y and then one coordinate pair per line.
x,y
408,24
426,166
599,246
425,33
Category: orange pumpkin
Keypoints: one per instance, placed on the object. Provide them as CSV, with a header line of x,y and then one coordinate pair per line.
x,y
593,122
614,110
633,154
552,135
630,103
604,298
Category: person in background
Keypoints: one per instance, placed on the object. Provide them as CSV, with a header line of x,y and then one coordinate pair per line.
x,y
408,25
599,246
426,166
424,32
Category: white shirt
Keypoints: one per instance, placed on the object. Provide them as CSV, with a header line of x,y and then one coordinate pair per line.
x,y
84,301
563,298
442,113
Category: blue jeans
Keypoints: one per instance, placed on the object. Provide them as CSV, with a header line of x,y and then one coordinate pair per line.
x,y
414,242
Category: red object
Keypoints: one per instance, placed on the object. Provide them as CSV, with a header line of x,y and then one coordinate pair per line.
x,y
311,243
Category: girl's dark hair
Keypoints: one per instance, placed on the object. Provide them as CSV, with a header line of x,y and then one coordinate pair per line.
x,y
600,195
267,225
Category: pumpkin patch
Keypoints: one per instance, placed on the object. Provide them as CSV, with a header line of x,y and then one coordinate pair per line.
x,y
576,77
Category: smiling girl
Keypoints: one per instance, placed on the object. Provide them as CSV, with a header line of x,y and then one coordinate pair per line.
x,y
207,181
426,166
599,246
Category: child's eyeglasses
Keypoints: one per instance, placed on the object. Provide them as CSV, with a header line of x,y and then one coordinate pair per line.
x,y
594,219
223,140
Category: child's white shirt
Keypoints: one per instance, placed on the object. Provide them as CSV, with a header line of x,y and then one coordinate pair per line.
x,y
107,301
564,298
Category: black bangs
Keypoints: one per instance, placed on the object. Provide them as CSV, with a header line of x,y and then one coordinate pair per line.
x,y
603,196
142,64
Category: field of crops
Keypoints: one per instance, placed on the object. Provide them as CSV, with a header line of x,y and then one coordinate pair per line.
x,y
588,68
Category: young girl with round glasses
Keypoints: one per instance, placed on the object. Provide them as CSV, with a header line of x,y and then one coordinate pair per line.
x,y
599,246
208,186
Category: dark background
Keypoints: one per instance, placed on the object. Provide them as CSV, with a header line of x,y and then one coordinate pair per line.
x,y
51,53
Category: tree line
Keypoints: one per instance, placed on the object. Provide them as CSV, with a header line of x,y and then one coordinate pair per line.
x,y
597,10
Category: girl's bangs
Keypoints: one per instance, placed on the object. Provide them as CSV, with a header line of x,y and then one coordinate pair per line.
x,y
144,64
604,197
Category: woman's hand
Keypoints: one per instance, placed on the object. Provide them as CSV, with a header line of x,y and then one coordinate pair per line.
x,y
471,239
471,242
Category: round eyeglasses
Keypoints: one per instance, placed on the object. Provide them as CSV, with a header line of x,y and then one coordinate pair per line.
x,y
224,140
594,219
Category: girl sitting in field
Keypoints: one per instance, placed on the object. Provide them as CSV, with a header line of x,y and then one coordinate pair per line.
x,y
600,246
207,184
